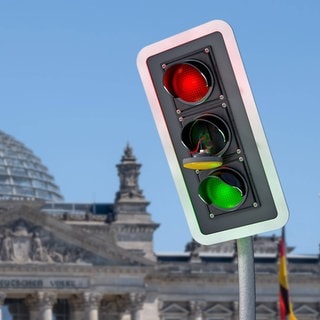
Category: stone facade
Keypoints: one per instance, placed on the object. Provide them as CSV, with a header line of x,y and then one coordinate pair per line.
x,y
96,261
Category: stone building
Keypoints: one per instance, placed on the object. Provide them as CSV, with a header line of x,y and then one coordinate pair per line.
x,y
88,261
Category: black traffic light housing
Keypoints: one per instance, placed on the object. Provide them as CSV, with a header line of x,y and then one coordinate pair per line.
x,y
212,135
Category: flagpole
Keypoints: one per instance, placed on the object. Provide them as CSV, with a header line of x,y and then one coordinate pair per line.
x,y
246,273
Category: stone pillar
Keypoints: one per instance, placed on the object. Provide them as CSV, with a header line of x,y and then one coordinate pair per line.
x,y
2,297
196,308
46,302
76,303
92,302
136,303
236,310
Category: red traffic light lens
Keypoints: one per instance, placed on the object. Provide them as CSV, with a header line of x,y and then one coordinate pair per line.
x,y
191,81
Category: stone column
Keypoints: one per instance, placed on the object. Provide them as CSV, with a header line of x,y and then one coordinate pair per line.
x,y
236,310
92,302
196,308
2,297
136,303
46,302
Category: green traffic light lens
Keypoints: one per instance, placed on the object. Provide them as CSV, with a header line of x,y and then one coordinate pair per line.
x,y
224,189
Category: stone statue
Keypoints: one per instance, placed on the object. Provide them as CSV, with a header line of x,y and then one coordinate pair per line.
x,y
6,247
37,252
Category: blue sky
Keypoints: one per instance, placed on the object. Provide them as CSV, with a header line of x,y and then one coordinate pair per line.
x,y
70,91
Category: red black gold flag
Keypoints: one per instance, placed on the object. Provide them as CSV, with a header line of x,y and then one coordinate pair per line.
x,y
286,312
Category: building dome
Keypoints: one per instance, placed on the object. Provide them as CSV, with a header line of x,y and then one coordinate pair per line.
x,y
22,175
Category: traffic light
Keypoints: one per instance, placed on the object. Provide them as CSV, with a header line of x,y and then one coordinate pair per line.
x,y
212,135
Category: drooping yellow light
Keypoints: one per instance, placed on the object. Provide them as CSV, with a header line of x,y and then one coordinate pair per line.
x,y
202,163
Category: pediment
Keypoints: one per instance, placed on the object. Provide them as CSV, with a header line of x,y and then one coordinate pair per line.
x,y
305,311
175,309
29,236
264,310
218,309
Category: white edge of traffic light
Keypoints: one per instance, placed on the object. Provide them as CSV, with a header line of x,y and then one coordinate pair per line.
x,y
259,135
254,119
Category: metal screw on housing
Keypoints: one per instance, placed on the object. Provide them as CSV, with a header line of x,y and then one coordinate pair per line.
x,y
241,159
178,111
163,66
254,204
211,215
206,50
224,105
221,97
180,119
238,151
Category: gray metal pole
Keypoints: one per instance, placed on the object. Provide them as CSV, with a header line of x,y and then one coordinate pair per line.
x,y
247,291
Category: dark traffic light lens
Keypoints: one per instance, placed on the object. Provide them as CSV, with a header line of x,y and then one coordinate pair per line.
x,y
208,134
191,82
224,189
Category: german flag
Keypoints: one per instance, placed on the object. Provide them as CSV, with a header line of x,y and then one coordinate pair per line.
x,y
286,312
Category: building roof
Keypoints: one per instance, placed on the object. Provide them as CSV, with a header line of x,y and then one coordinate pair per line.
x,y
22,174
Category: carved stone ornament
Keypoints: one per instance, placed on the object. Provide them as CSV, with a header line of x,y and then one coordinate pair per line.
x,y
47,299
92,299
21,242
